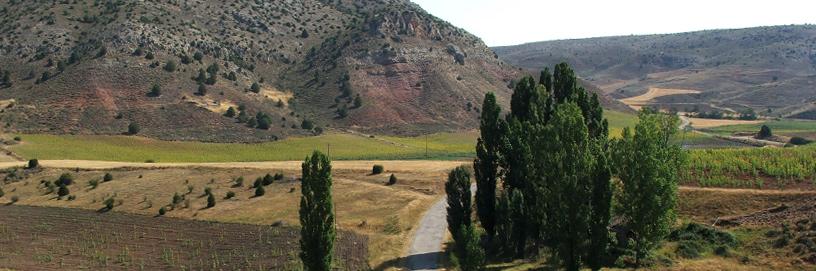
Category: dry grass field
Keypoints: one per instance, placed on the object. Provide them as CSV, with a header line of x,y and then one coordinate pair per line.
x,y
647,98
364,204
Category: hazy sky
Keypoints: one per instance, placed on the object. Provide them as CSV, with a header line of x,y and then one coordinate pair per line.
x,y
509,22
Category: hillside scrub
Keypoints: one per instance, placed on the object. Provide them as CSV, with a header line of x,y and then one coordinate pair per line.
x,y
751,168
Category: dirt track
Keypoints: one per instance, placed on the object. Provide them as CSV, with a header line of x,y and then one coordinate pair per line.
x,y
395,166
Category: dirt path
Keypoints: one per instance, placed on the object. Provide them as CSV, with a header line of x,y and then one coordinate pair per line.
x,y
393,166
426,246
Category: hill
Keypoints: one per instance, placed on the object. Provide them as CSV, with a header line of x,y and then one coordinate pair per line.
x,y
89,67
768,69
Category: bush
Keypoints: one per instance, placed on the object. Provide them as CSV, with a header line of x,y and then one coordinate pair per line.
x,y
155,91
133,128
109,203
210,201
258,182
202,90
230,195
107,178
278,176
377,169
2,193
255,88
689,249
799,141
177,199
307,125
63,191
238,182
93,183
162,211
170,66
33,163
259,191
14,199
392,180
230,112
18,139
268,179
764,132
207,191
65,179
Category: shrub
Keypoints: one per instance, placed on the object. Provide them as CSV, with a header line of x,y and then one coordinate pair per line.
x,y
170,66
392,180
799,141
230,112
198,56
149,56
258,182
238,182
107,178
259,191
230,195
232,77
33,163
255,87
268,179
162,211
65,179
109,203
202,90
155,91
14,199
177,199
133,128
71,197
307,124
689,249
93,183
2,193
377,169
764,132
18,139
207,191
210,201
278,176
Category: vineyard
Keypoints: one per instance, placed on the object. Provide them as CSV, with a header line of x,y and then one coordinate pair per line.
x,y
753,168
39,238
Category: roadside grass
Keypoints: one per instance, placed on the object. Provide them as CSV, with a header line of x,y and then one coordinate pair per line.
x,y
340,146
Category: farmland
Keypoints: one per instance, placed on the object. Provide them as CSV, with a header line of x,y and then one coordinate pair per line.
x,y
341,146
806,129
364,204
56,238
753,167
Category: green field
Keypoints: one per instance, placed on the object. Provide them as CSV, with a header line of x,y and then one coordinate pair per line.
x,y
442,146
340,146
753,167
802,128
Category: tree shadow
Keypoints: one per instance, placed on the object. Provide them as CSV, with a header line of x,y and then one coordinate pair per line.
x,y
425,261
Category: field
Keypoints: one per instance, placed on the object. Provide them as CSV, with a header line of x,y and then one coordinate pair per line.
x,y
364,204
647,98
341,146
753,167
790,128
57,238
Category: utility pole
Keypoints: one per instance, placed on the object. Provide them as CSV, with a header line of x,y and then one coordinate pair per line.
x,y
426,146
328,150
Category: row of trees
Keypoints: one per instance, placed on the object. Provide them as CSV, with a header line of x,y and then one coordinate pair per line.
x,y
543,176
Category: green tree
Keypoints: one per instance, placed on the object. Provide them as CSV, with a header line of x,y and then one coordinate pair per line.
x,y
342,111
198,56
107,177
63,191
307,124
230,112
648,165
601,202
486,165
133,128
472,256
457,189
255,87
210,200
764,132
260,191
170,66
33,163
155,91
317,214
202,76
202,90
358,101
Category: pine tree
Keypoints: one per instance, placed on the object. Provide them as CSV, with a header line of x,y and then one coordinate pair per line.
x,y
648,165
486,165
317,214
202,76
155,91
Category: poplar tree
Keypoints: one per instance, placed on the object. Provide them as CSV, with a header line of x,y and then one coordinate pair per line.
x,y
318,229
487,162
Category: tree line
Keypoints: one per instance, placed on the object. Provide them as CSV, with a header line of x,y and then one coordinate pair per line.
x,y
544,181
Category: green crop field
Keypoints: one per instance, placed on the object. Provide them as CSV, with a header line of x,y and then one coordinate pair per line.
x,y
442,146
753,167
782,127
340,146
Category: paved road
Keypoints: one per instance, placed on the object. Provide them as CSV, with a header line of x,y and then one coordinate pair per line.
x,y
426,246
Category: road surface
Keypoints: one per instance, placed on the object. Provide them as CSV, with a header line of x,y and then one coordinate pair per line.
x,y
426,246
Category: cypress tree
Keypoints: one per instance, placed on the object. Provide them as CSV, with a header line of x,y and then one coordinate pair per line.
x,y
601,202
316,214
487,162
457,189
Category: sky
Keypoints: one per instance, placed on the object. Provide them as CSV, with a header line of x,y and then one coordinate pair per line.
x,y
510,22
